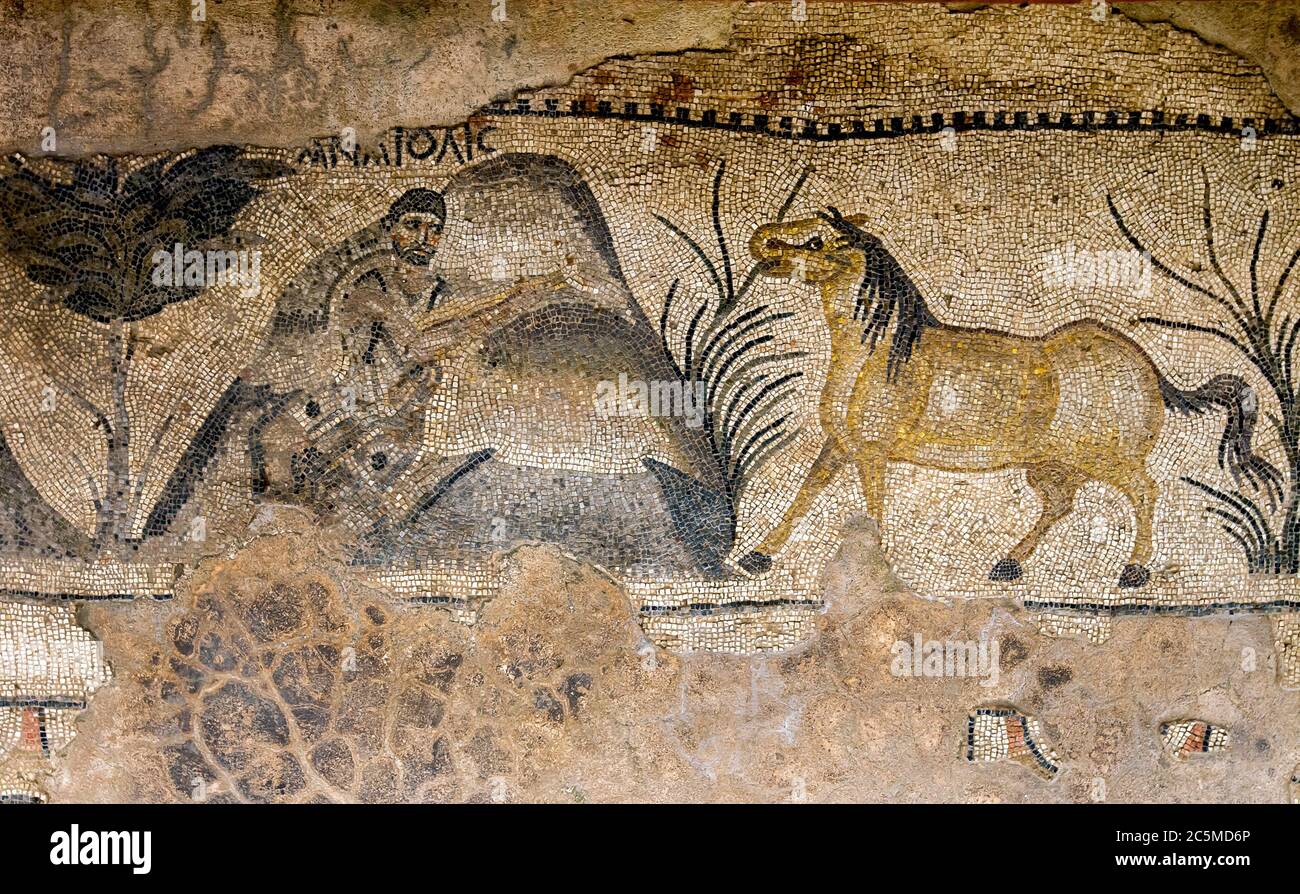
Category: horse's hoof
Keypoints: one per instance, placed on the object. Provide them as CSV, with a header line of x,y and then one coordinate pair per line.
x,y
1007,569
756,563
1134,576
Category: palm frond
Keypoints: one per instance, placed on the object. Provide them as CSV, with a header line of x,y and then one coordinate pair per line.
x,y
747,404
88,233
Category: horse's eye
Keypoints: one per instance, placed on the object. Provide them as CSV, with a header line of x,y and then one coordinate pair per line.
x,y
814,244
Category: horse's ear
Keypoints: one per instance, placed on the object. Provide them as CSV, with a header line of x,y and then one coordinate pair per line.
x,y
858,219
834,215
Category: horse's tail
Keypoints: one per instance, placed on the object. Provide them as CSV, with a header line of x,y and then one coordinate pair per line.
x,y
1236,455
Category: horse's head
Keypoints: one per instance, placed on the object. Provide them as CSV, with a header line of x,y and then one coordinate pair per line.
x,y
815,250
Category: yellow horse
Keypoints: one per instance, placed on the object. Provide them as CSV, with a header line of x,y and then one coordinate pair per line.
x,y
1081,402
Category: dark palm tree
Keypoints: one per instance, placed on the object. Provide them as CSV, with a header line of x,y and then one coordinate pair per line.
x,y
87,231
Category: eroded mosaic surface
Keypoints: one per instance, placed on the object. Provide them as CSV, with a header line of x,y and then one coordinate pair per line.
x,y
677,321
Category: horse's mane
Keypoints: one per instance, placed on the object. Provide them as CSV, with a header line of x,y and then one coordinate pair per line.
x,y
887,290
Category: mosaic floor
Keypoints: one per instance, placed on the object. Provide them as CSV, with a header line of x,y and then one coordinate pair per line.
x,y
304,434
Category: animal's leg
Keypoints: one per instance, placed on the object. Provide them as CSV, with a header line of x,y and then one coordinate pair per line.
x,y
871,458
823,471
1056,484
382,537
1143,493
439,490
871,445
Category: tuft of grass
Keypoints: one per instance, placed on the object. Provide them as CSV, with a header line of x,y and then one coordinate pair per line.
x,y
726,347
1246,522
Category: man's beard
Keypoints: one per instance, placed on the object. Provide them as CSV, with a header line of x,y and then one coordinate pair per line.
x,y
416,255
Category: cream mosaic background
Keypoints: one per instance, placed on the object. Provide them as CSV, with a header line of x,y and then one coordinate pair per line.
x,y
973,223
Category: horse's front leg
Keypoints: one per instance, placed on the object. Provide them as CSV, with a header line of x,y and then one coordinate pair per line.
x,y
823,471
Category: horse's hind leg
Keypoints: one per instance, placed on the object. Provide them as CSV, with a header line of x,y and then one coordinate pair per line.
x,y
1142,492
1056,484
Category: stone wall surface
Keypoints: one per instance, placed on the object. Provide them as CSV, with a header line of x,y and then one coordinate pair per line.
x,y
651,401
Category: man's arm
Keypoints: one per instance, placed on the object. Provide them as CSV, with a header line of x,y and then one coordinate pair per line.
x,y
436,331
453,310
426,336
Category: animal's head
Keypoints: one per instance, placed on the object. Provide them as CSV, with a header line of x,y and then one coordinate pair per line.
x,y
815,250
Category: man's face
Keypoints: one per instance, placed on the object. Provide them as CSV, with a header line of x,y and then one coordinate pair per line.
x,y
415,237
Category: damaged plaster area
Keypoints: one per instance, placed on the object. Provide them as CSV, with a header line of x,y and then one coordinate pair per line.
x,y
554,695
